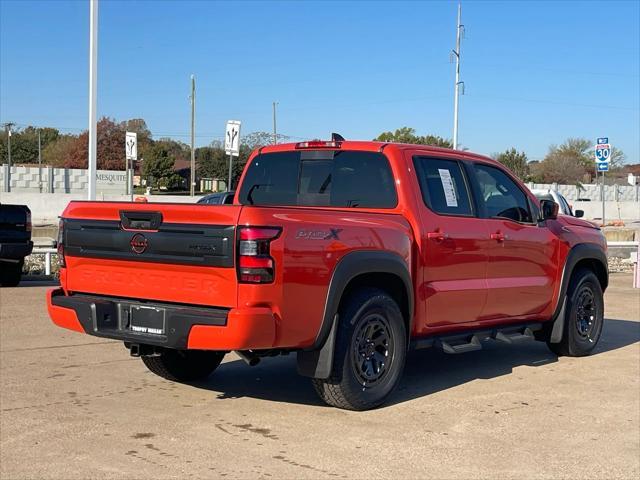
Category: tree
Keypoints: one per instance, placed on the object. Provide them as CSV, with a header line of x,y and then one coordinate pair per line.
x,y
408,135
24,144
572,161
158,165
560,168
57,152
515,161
111,152
213,162
260,139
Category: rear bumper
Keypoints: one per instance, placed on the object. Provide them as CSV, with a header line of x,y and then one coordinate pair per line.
x,y
185,327
15,251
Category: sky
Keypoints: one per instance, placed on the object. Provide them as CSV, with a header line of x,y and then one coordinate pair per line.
x,y
535,72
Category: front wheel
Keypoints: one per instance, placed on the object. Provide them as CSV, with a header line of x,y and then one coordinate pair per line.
x,y
584,316
371,346
184,365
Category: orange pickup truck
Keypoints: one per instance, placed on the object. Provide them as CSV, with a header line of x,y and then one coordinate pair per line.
x,y
348,254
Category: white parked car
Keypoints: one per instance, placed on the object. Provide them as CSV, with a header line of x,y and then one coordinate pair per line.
x,y
554,195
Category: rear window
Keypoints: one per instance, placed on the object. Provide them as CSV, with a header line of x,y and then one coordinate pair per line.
x,y
321,179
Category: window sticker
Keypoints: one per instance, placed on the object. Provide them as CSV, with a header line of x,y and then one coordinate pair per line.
x,y
447,185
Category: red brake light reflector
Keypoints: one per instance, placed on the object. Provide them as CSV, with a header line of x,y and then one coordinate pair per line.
x,y
258,233
319,144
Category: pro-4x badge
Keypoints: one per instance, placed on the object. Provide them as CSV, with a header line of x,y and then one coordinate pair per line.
x,y
331,234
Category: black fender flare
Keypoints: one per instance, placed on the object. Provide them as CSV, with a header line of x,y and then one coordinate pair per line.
x,y
317,361
581,251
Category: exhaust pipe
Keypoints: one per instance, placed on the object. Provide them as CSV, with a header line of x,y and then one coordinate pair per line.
x,y
249,357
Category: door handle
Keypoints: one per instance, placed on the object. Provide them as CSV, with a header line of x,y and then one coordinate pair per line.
x,y
498,236
437,236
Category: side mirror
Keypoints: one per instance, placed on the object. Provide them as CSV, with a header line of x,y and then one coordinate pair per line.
x,y
548,210
578,213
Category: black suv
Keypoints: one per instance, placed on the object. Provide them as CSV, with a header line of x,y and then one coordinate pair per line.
x,y
15,242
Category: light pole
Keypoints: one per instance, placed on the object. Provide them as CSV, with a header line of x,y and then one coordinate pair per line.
x,y
457,53
193,124
93,103
39,162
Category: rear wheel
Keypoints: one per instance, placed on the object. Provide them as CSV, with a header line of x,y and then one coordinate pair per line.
x,y
584,316
184,365
10,273
370,352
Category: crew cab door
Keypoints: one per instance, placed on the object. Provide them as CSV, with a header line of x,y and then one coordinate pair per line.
x,y
453,246
522,254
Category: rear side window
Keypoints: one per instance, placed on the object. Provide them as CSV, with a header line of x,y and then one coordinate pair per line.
x,y
443,186
320,178
502,196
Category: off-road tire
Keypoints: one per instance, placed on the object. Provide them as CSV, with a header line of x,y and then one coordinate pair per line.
x,y
584,316
349,386
10,273
184,365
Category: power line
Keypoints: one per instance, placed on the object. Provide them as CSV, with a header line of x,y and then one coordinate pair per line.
x,y
555,102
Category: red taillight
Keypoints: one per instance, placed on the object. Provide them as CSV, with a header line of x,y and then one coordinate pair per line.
x,y
255,264
318,144
28,225
61,243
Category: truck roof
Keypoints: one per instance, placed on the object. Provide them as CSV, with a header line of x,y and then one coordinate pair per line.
x,y
375,146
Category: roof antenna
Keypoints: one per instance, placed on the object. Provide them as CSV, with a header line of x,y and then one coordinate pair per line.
x,y
336,137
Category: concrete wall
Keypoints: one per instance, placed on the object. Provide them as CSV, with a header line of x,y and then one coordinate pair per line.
x,y
59,180
612,193
47,208
613,210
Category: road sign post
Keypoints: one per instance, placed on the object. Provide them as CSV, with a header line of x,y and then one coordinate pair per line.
x,y
232,145
131,151
603,157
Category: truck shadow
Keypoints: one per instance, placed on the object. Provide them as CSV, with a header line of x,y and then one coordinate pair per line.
x,y
40,282
426,372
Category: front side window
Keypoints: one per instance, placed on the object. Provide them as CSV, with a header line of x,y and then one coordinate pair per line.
x,y
443,186
502,196
322,178
565,208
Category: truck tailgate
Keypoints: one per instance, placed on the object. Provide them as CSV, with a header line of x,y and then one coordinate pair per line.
x,y
182,253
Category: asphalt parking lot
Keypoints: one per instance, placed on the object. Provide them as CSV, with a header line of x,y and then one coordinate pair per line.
x,y
74,406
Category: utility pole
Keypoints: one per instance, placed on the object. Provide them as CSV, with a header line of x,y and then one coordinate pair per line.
x,y
39,162
193,126
275,134
457,53
93,100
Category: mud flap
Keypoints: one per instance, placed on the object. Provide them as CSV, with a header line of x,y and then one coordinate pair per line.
x,y
319,363
558,324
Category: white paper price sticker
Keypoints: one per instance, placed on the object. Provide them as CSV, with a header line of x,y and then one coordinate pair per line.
x,y
447,186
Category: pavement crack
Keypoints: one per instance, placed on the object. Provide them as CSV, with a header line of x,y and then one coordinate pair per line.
x,y
50,347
